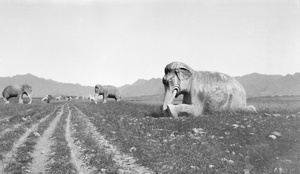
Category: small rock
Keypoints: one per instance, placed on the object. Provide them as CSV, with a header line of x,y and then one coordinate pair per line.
x,y
223,159
133,149
230,162
266,114
211,166
277,134
194,167
235,126
193,136
272,137
36,134
276,115
198,131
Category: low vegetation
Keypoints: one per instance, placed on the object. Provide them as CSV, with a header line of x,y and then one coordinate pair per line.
x,y
135,137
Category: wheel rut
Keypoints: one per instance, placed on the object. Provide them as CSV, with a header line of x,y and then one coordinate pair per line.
x,y
126,162
42,148
76,154
8,156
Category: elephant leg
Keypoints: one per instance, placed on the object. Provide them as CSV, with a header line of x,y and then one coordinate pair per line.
x,y
117,98
30,98
21,99
175,110
104,98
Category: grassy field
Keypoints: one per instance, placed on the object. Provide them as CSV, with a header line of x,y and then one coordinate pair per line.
x,y
133,136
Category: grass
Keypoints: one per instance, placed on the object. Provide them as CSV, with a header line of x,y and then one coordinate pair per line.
x,y
170,145
218,142
10,132
93,155
22,157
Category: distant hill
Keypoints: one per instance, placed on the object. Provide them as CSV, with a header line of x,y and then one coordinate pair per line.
x,y
143,87
270,85
255,85
42,86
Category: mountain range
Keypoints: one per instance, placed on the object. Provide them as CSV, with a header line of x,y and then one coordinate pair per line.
x,y
255,85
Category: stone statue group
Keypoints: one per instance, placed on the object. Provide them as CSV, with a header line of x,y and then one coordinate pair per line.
x,y
201,90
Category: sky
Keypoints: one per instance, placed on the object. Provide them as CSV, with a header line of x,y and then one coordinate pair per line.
x,y
116,42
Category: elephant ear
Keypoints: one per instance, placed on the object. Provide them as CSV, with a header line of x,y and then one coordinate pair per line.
x,y
183,73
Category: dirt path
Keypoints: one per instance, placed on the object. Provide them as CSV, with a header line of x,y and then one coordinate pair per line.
x,y
16,125
8,156
126,162
42,148
81,167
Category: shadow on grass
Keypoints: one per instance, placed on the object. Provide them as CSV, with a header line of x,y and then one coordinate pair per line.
x,y
155,114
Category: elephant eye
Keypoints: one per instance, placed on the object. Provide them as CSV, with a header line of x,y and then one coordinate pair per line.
x,y
171,80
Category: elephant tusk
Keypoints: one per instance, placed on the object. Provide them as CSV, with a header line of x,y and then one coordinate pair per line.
x,y
174,93
169,99
177,89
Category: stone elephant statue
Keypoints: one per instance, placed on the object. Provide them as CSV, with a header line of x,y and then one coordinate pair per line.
x,y
202,91
48,98
17,91
107,91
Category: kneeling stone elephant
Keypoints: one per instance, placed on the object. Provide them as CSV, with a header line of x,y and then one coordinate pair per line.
x,y
17,91
202,90
107,91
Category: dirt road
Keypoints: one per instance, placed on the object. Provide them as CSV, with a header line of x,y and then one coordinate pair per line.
x,y
64,141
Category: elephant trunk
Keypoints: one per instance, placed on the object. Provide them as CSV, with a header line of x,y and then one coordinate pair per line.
x,y
30,98
96,97
170,96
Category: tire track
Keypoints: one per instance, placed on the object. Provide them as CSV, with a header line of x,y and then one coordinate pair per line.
x,y
81,167
8,156
42,148
19,124
126,162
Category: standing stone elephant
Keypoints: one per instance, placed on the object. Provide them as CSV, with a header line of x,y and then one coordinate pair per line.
x,y
107,91
48,98
202,91
17,91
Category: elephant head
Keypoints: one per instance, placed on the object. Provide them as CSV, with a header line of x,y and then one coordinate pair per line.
x,y
176,81
99,90
27,90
